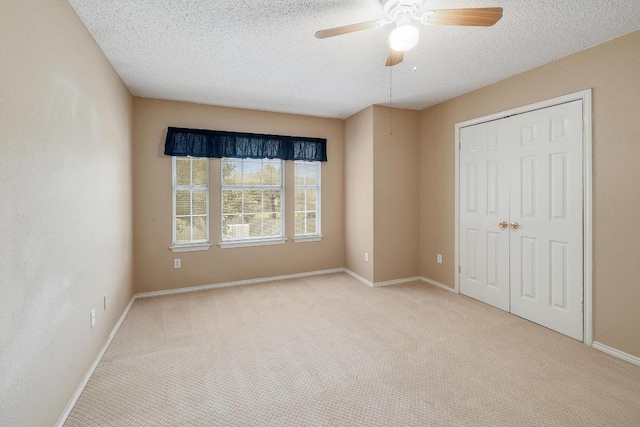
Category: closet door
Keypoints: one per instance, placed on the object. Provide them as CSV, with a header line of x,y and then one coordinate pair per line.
x,y
546,277
484,214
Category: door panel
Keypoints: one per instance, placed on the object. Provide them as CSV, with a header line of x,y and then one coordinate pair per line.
x,y
558,274
493,258
528,270
546,249
484,246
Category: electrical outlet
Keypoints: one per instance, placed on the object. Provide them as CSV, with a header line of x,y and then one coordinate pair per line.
x,y
439,259
176,263
93,317
366,256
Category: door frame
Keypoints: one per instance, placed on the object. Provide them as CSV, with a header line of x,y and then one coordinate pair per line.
x,y
587,192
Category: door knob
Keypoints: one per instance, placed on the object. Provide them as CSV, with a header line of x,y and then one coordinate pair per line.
x,y
515,225
503,224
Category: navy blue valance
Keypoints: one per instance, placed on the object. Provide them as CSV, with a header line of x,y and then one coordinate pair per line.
x,y
183,142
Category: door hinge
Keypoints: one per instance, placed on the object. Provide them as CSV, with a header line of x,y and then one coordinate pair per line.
x,y
583,306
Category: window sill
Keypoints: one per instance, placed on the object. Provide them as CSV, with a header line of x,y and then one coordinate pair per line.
x,y
249,243
190,247
304,239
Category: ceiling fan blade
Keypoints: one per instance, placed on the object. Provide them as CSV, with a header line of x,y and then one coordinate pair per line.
x,y
475,17
394,58
338,31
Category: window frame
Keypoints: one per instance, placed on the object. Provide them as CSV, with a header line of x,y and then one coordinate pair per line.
x,y
200,245
261,241
299,238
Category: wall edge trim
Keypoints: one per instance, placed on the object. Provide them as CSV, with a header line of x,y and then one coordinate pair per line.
x,y
616,353
439,285
359,277
236,283
94,365
384,283
397,281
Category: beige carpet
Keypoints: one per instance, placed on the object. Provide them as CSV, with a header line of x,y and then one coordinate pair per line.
x,y
330,351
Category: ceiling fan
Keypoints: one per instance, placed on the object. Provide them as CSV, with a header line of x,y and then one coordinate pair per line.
x,y
405,36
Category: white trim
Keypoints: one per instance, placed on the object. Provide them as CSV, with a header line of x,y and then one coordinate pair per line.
x,y
396,281
576,96
247,243
360,278
456,232
94,365
439,285
237,283
190,247
587,199
616,353
381,284
587,211
304,239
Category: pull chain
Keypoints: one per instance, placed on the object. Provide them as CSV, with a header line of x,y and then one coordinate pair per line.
x,y
390,98
415,57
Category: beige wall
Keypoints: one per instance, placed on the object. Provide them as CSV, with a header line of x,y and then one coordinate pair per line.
x,y
381,193
396,193
358,192
152,206
612,70
65,204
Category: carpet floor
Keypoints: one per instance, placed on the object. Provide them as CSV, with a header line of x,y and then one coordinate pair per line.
x,y
330,351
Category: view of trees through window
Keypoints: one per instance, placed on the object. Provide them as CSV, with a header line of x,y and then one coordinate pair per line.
x,y
251,199
307,196
191,192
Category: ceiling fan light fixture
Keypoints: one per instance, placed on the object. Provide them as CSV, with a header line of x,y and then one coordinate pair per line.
x,y
404,37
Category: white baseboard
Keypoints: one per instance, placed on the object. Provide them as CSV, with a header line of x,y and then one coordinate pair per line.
x,y
439,285
397,281
380,284
616,353
360,278
237,283
94,365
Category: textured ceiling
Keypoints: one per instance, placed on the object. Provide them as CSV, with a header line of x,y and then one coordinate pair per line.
x,y
262,54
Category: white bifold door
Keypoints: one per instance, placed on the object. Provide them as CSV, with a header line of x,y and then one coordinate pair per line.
x,y
521,201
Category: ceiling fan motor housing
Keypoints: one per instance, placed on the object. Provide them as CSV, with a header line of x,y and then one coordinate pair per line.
x,y
395,9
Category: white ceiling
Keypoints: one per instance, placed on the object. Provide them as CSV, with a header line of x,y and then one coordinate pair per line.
x,y
262,54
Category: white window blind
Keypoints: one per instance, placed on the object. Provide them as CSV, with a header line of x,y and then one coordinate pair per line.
x,y
307,199
252,199
190,200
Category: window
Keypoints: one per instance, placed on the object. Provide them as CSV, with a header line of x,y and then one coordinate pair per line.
x,y
307,194
252,201
190,203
